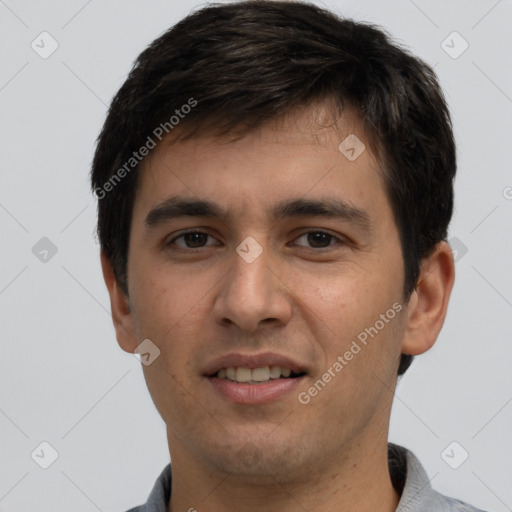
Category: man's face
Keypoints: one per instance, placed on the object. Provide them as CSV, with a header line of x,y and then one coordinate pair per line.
x,y
289,296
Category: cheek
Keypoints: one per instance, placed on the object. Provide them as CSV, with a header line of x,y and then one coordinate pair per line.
x,y
162,294
360,336
170,308
170,311
361,306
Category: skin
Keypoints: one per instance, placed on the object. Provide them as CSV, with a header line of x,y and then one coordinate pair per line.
x,y
302,297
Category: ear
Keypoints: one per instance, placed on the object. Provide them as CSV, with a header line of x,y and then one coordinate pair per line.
x,y
428,304
120,306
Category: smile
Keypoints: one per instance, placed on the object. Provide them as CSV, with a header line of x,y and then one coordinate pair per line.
x,y
256,375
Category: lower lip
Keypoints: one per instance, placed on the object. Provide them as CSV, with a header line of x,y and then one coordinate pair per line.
x,y
251,394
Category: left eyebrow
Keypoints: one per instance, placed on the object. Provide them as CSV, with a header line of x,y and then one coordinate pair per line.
x,y
176,207
325,207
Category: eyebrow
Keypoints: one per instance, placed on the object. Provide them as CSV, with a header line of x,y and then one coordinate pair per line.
x,y
177,207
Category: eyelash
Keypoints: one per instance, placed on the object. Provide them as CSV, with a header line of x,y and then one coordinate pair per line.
x,y
316,231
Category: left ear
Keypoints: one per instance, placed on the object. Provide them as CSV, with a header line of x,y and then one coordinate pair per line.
x,y
428,304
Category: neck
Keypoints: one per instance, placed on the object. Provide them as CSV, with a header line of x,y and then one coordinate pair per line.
x,y
357,480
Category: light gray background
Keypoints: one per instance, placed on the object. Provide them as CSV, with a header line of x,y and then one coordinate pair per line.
x,y
64,378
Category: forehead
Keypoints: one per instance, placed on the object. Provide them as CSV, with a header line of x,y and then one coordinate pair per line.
x,y
305,154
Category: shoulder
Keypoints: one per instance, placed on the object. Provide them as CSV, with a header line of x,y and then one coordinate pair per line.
x,y
417,495
158,499
455,505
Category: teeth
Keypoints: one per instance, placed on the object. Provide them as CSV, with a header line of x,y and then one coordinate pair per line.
x,y
275,372
243,374
285,372
263,374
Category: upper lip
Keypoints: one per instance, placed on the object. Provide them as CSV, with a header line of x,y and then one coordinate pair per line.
x,y
252,361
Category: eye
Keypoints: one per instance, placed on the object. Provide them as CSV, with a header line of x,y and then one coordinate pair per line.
x,y
319,239
192,240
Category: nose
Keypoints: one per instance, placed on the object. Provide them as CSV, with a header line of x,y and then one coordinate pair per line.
x,y
252,294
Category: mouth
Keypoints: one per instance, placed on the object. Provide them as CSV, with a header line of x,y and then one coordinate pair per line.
x,y
246,375
255,378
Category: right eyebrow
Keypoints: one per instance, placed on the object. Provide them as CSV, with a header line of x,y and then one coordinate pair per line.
x,y
176,207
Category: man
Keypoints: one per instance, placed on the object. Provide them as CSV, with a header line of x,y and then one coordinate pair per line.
x,y
275,186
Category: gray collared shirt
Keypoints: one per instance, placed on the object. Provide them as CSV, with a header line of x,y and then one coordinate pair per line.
x,y
407,473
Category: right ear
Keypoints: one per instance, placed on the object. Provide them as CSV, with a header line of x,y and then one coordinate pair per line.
x,y
120,306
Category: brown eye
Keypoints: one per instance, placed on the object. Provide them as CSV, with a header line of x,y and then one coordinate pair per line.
x,y
318,239
192,240
195,239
